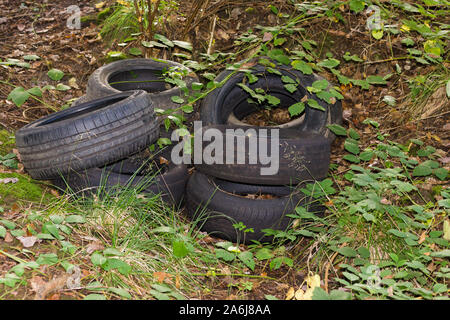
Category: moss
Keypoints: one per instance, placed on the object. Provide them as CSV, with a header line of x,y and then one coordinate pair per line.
x,y
24,190
7,142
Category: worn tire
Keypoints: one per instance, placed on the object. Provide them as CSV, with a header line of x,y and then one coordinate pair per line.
x,y
231,100
213,206
89,135
302,156
145,74
134,172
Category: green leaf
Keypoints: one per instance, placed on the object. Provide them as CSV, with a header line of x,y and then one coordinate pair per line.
x,y
177,99
112,252
352,158
62,87
187,108
441,173
19,95
225,255
337,129
183,44
320,84
121,266
164,40
94,296
290,87
75,219
264,254
272,100
375,80
135,51
196,86
408,42
368,217
351,146
377,34
329,63
279,41
347,252
441,254
247,258
350,276
9,224
353,134
278,55
35,91
2,231
47,258
31,57
159,296
55,74
97,259
366,155
440,288
315,105
287,79
120,292
302,66
296,109
356,5
179,249
278,262
422,170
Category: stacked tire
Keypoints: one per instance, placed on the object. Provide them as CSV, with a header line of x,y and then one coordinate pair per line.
x,y
223,198
102,140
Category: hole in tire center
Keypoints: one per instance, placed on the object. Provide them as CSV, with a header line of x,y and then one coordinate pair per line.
x,y
149,80
265,114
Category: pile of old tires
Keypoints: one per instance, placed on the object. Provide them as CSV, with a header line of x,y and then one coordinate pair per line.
x,y
221,197
102,141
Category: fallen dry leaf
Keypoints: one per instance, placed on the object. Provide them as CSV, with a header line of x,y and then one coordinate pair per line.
x,y
290,294
267,36
43,288
28,242
9,180
161,276
93,246
8,237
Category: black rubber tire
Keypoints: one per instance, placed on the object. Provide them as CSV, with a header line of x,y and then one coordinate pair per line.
x,y
215,210
89,135
137,70
217,106
134,172
302,156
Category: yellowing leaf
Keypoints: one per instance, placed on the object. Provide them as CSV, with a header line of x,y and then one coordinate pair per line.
x,y
299,294
100,5
447,230
405,28
290,294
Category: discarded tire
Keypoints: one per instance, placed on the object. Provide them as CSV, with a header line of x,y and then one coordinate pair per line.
x,y
137,74
230,100
88,135
211,203
138,172
301,156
